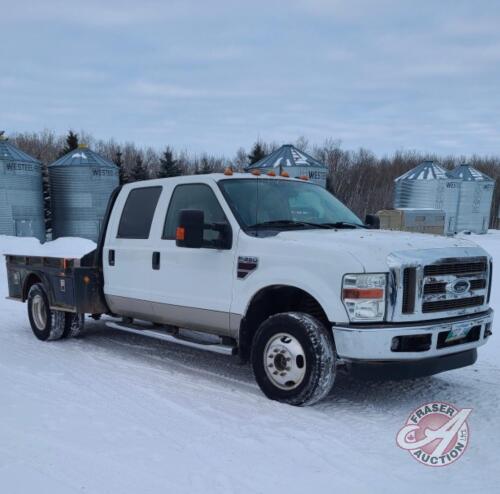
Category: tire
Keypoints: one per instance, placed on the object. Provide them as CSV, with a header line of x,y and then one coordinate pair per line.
x,y
293,359
46,324
74,325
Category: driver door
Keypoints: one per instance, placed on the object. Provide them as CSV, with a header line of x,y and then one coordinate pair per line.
x,y
193,287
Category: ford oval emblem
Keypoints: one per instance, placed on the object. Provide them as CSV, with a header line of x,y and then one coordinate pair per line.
x,y
458,286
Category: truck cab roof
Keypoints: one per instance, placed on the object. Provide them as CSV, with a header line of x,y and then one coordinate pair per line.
x,y
208,178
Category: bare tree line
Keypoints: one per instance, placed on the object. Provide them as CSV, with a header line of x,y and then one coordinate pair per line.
x,y
359,178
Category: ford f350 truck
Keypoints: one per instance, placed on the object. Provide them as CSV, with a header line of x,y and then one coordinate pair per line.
x,y
275,270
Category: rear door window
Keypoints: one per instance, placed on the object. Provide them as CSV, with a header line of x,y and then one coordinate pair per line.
x,y
138,212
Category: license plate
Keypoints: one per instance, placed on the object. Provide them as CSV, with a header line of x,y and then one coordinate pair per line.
x,y
458,332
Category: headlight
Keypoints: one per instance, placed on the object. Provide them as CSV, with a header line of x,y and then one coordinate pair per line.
x,y
364,296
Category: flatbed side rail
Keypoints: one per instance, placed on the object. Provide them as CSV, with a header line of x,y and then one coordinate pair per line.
x,y
69,286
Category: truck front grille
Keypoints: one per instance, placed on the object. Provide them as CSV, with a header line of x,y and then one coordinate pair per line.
x,y
456,268
441,287
409,290
445,305
431,288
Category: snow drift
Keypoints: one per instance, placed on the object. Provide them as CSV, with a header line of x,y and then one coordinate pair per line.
x,y
114,412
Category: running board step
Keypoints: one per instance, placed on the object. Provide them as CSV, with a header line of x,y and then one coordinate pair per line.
x,y
164,336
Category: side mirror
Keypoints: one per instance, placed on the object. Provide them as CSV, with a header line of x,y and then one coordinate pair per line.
x,y
225,239
189,232
372,221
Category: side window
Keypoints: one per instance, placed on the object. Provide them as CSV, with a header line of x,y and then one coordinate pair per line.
x,y
138,212
194,196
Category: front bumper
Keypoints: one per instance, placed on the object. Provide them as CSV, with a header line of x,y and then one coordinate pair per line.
x,y
416,341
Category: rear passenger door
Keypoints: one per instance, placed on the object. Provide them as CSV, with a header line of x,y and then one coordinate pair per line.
x,y
127,253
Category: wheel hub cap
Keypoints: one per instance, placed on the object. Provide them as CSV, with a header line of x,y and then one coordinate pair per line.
x,y
39,312
284,361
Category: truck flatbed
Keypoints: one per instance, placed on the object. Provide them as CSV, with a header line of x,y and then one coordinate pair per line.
x,y
72,286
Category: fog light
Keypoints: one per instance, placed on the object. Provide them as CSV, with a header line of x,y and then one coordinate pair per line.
x,y
396,341
487,330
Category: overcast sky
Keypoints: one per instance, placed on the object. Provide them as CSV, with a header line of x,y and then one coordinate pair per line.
x,y
215,75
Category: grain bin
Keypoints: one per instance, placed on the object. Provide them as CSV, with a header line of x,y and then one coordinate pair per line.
x,y
296,163
476,196
81,183
429,186
21,196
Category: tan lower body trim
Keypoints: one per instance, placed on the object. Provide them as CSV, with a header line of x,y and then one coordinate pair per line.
x,y
206,320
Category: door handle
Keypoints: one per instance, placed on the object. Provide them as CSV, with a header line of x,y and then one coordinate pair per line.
x,y
111,257
155,262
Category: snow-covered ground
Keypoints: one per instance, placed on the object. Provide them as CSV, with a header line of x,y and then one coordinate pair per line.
x,y
119,413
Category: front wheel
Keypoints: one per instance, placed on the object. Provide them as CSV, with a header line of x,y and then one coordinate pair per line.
x,y
293,359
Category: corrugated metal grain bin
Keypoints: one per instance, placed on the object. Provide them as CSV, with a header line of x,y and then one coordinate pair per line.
x,y
429,186
296,163
81,183
413,220
21,196
476,197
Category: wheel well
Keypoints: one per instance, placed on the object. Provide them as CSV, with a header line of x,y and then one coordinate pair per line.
x,y
31,280
274,300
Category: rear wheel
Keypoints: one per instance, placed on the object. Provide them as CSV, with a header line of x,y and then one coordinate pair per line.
x,y
46,324
293,358
74,325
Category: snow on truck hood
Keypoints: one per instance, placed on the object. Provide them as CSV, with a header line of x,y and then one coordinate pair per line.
x,y
372,247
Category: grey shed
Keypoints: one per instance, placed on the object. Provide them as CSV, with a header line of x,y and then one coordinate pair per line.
x,y
293,161
476,197
81,183
21,196
429,186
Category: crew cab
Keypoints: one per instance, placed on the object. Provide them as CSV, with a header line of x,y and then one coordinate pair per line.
x,y
275,270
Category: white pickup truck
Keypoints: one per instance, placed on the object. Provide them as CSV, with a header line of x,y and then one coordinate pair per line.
x,y
273,269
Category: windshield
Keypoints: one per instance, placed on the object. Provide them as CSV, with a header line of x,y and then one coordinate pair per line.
x,y
282,204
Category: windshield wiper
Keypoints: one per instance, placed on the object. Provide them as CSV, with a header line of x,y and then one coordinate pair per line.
x,y
344,224
286,223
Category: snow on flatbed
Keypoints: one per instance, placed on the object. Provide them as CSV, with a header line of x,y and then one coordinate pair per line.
x,y
114,412
69,247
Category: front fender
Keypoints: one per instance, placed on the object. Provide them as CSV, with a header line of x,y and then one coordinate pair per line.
x,y
326,292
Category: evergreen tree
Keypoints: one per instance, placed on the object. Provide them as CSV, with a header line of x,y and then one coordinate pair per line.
x,y
258,152
71,143
121,170
139,171
168,165
205,167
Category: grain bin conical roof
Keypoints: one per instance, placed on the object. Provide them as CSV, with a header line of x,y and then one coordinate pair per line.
x,y
8,152
287,156
82,156
468,173
427,170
